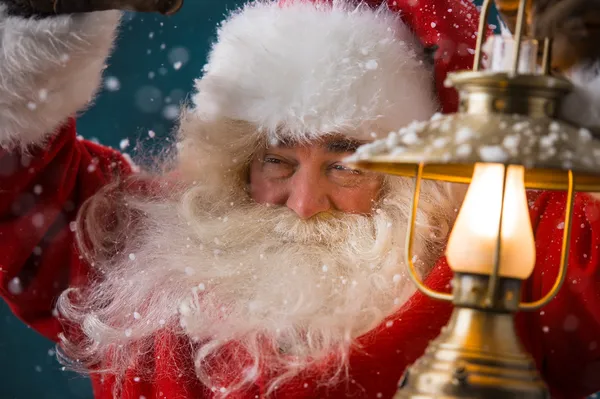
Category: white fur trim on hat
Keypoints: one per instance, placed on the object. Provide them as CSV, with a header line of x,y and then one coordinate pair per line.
x,y
300,70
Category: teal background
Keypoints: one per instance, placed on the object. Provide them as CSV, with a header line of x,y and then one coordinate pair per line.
x,y
150,73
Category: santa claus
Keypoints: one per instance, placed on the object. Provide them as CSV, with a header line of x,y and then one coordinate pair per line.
x,y
256,264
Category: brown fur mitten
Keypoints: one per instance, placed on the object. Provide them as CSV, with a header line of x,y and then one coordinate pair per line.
x,y
28,8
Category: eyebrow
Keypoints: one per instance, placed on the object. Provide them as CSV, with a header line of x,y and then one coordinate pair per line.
x,y
342,145
335,145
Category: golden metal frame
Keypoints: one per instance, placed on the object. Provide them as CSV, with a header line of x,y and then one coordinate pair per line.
x,y
564,257
542,179
478,355
494,277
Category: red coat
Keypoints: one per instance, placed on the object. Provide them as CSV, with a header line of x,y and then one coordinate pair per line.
x,y
40,196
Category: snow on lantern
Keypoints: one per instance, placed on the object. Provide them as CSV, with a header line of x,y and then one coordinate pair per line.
x,y
506,137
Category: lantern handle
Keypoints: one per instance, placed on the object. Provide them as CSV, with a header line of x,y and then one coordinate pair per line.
x,y
547,57
483,17
564,258
409,243
519,36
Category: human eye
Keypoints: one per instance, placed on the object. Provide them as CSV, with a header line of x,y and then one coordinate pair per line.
x,y
344,175
277,167
338,167
272,160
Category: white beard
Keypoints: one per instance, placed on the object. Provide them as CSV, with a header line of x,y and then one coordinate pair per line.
x,y
257,276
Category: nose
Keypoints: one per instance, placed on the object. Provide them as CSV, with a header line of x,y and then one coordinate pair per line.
x,y
308,195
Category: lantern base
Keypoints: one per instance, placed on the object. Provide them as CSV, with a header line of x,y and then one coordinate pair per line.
x,y
478,354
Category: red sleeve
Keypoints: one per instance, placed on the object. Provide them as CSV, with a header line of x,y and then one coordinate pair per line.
x,y
564,336
40,194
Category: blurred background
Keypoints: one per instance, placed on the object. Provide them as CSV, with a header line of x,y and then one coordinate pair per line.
x,y
149,75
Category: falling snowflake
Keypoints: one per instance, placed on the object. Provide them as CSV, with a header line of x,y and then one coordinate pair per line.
x,y
38,220
171,112
371,65
111,83
14,286
124,144
43,95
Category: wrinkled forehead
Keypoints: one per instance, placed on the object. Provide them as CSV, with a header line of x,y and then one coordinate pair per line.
x,y
337,143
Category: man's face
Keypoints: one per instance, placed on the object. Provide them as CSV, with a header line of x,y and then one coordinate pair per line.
x,y
311,178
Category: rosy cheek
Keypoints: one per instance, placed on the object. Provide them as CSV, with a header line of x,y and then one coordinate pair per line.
x,y
354,202
265,191
360,199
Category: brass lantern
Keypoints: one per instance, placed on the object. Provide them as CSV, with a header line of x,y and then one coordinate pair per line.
x,y
505,138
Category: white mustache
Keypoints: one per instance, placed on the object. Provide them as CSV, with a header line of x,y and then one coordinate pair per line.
x,y
278,223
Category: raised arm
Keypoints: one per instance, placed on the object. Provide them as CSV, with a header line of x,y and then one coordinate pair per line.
x,y
50,68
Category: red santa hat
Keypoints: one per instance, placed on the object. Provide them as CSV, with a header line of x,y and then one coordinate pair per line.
x,y
300,69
